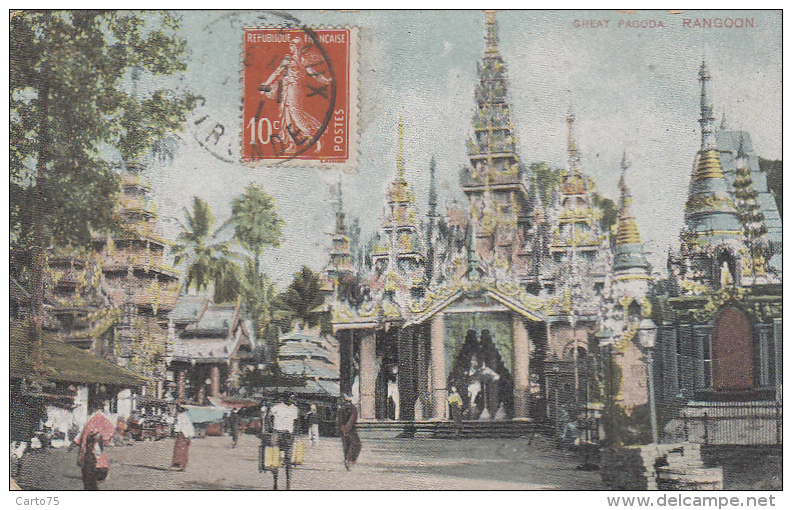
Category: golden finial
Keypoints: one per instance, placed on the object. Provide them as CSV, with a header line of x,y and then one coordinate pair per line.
x,y
573,154
400,155
623,179
491,31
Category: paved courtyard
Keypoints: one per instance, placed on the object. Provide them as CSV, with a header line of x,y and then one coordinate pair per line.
x,y
383,464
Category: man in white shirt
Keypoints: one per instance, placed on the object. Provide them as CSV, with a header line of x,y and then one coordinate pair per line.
x,y
284,414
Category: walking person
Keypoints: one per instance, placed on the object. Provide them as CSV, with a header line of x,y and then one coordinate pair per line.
x,y
284,414
98,432
313,424
184,431
347,427
234,426
455,405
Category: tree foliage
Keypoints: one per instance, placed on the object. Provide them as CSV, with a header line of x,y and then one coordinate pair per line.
x,y
256,224
610,212
547,179
774,168
72,103
301,298
209,261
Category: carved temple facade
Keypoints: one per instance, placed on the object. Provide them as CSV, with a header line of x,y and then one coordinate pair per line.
x,y
517,301
497,298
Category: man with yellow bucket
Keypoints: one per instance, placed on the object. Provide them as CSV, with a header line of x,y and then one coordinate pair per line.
x,y
277,443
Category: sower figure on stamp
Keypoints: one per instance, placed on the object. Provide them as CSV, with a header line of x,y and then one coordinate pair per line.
x,y
347,427
294,78
284,414
95,436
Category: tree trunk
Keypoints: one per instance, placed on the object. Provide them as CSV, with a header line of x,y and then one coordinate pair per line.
x,y
37,250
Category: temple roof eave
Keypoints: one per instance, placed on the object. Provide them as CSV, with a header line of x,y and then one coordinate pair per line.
x,y
508,295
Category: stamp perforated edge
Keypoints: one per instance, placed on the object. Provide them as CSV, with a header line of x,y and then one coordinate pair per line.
x,y
348,166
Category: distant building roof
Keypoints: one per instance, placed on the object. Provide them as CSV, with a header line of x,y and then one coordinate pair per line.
x,y
309,368
303,350
213,332
187,308
310,354
216,320
65,363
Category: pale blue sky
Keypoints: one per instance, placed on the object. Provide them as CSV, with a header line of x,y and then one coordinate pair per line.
x,y
632,89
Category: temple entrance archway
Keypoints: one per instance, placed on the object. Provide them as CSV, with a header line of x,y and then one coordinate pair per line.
x,y
482,379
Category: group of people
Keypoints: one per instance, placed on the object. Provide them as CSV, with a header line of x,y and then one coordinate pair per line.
x,y
99,431
278,429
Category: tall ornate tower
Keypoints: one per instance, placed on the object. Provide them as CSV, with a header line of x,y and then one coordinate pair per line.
x,y
399,254
340,268
137,280
712,236
630,268
751,216
495,181
576,231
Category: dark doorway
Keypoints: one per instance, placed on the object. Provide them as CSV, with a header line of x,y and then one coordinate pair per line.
x,y
482,379
732,351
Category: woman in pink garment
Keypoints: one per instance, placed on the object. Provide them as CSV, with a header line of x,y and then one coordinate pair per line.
x,y
92,458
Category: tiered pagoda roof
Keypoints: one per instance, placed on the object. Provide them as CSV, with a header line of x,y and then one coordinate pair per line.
x,y
577,220
710,215
628,253
401,244
492,150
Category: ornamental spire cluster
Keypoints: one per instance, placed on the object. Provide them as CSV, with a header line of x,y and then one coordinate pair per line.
x,y
573,154
710,215
629,260
627,228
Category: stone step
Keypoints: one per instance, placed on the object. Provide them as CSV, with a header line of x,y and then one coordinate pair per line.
x,y
448,430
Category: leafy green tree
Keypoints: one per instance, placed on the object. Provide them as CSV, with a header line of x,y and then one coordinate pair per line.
x,y
610,212
209,261
301,298
774,168
258,294
71,105
256,224
547,179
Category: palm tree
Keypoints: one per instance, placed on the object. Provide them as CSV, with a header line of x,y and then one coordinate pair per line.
x,y
256,224
208,260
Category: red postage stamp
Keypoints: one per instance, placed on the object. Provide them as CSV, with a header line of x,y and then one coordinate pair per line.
x,y
298,95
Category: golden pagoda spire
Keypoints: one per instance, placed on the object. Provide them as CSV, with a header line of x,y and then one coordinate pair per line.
x,y
627,229
573,154
491,31
400,155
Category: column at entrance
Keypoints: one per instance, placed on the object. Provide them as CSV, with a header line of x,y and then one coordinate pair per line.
x,y
368,374
346,341
522,354
406,374
181,384
214,389
438,367
422,377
